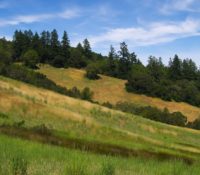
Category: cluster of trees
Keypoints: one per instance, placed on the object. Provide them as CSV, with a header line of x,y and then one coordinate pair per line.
x,y
153,113
47,48
178,81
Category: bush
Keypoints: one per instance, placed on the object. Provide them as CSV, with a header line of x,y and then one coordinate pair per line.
x,y
92,72
30,59
59,61
86,94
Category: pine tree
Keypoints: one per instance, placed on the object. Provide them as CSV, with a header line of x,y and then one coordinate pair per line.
x,y
87,49
124,65
175,68
65,45
111,62
55,44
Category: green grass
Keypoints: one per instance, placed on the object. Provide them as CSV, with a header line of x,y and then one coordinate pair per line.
x,y
42,159
77,119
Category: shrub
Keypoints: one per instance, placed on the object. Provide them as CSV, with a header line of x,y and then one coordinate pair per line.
x,y
92,72
86,94
59,61
30,59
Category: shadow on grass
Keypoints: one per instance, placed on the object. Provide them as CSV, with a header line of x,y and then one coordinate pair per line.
x,y
44,135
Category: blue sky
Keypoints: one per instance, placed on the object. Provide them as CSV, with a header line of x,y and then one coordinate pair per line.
x,y
150,27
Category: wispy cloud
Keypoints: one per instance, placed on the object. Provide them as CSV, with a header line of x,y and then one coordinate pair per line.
x,y
67,14
151,34
70,13
180,5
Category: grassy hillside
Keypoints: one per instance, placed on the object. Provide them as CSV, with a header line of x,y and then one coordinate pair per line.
x,y
108,89
97,127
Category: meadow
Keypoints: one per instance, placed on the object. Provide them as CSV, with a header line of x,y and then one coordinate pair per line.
x,y
109,89
154,148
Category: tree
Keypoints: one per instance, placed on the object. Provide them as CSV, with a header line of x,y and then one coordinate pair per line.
x,y
155,68
45,44
124,64
65,46
77,59
111,69
140,81
55,44
21,43
59,61
175,68
5,55
30,59
87,49
189,69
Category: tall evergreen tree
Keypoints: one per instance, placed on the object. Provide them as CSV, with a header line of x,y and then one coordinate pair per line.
x,y
175,68
65,46
155,68
87,48
55,44
111,62
124,64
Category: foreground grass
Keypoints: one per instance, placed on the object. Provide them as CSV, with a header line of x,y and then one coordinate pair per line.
x,y
40,159
103,88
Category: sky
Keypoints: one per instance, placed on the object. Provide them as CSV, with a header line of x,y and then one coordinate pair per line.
x,y
161,28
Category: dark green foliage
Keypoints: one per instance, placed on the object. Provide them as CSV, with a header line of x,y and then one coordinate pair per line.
x,y
77,58
30,59
92,72
59,61
175,68
65,45
87,49
195,124
86,94
153,113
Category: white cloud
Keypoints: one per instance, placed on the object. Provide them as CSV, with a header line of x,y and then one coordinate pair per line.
x,y
70,13
67,14
179,5
153,33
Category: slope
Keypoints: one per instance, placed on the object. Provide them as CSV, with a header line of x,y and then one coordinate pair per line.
x,y
108,89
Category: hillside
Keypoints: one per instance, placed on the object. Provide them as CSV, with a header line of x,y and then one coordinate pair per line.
x,y
108,89
98,128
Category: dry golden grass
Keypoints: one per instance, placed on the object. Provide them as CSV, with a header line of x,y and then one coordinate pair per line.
x,y
108,89
47,106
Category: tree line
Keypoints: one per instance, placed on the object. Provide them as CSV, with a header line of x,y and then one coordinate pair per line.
x,y
155,114
177,81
